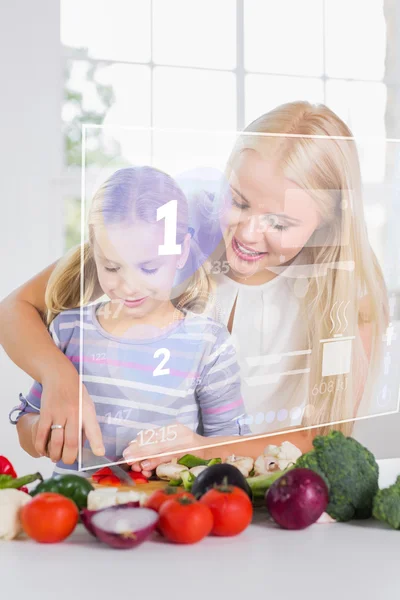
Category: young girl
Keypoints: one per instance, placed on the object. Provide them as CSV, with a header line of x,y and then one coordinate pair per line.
x,y
155,372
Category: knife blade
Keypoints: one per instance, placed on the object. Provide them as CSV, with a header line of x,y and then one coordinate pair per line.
x,y
101,461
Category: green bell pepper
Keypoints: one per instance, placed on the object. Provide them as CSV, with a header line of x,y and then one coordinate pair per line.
x,y
190,461
72,486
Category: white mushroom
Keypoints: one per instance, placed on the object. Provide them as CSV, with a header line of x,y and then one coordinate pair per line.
x,y
243,463
11,502
276,458
288,455
265,464
170,471
197,470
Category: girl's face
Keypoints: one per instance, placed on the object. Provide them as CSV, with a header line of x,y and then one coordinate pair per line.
x,y
130,270
271,218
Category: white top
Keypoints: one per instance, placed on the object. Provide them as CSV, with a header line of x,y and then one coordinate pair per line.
x,y
270,338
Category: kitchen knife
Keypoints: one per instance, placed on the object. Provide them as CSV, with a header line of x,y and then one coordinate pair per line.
x,y
101,461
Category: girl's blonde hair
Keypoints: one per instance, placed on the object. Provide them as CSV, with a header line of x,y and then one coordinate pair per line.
x,y
129,194
328,170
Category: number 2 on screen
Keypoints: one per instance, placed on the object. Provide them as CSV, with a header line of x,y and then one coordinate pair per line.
x,y
169,213
159,369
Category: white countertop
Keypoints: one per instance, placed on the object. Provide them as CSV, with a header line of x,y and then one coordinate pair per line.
x,y
357,560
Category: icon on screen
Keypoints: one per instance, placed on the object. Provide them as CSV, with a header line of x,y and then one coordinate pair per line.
x,y
336,357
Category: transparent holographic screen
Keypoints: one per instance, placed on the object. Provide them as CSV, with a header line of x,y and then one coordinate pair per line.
x,y
184,153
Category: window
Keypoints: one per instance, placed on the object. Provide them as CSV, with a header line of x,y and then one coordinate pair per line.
x,y
206,65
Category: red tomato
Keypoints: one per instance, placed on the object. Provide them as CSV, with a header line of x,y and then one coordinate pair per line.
x,y
231,508
49,517
185,521
157,498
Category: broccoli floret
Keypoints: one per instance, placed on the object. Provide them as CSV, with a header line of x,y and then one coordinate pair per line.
x,y
350,471
387,505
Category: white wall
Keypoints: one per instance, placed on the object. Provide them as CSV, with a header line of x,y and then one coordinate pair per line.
x,y
30,161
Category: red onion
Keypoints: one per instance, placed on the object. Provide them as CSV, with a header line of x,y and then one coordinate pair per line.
x,y
122,526
297,499
87,515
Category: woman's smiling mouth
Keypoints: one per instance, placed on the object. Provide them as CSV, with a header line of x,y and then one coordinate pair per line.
x,y
246,253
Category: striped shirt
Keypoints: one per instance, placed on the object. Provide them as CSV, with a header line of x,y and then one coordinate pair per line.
x,y
187,375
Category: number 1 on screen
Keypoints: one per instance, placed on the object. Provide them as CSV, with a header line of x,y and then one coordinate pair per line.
x,y
169,213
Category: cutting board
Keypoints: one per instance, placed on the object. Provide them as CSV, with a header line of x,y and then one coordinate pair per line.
x,y
148,488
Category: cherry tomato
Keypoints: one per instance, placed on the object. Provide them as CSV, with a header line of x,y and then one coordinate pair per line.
x,y
231,508
49,518
157,498
185,521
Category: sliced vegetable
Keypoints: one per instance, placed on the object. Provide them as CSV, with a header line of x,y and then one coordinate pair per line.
x,y
187,480
49,518
105,476
123,527
190,461
231,508
71,486
185,521
138,478
215,475
297,499
87,515
174,482
106,497
11,502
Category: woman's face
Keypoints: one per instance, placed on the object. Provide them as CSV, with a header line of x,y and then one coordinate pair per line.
x,y
270,220
131,271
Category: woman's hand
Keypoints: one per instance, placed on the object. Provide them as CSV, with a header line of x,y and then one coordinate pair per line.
x,y
60,406
184,440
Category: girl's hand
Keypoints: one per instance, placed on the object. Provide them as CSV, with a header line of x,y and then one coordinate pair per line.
x,y
60,406
184,440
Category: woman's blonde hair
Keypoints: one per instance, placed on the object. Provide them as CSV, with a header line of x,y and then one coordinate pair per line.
x,y
327,168
130,193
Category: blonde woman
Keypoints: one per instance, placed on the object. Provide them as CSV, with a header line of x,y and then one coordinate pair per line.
x,y
295,250
159,373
